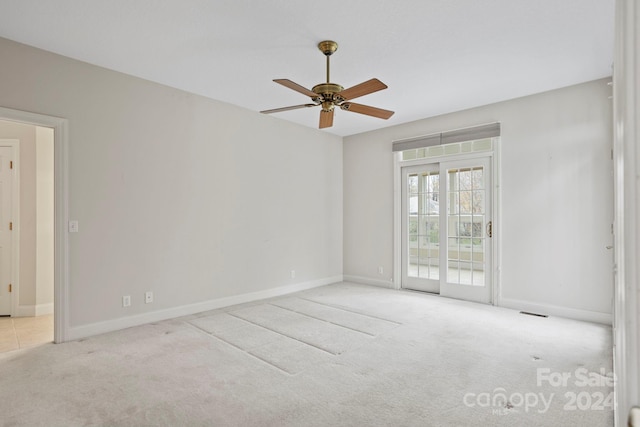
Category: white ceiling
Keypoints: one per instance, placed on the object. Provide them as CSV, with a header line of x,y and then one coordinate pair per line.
x,y
436,56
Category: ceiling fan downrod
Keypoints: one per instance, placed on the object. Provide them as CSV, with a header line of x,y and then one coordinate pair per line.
x,y
328,47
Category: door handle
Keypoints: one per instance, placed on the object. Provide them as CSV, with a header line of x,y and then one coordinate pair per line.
x,y
490,229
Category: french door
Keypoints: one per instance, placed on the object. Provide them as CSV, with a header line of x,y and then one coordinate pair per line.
x,y
447,229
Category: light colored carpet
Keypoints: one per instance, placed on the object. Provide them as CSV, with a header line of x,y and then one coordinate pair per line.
x,y
340,355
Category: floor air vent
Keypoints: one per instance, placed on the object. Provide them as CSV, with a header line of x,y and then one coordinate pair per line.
x,y
533,314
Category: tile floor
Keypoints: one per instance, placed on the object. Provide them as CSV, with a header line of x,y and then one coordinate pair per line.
x,y
23,332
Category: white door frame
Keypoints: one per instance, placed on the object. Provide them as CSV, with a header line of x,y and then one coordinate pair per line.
x,y
398,164
626,156
15,219
61,212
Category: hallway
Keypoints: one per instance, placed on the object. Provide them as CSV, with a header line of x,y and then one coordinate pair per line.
x,y
22,332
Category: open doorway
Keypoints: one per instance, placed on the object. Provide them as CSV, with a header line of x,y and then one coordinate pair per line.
x,y
61,211
26,235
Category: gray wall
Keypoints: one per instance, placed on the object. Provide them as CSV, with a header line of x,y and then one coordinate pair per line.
x,y
556,198
188,197
197,200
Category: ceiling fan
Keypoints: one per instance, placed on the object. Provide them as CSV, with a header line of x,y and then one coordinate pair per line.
x,y
330,95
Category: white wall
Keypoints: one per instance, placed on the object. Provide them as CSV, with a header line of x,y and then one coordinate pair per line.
x,y
199,200
188,197
556,198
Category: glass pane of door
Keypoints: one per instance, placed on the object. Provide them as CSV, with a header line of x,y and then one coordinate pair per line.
x,y
421,228
468,252
466,222
424,225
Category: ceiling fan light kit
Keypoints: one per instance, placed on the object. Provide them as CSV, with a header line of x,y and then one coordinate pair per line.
x,y
330,95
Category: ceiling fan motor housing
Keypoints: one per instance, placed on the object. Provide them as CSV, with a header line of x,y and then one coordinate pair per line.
x,y
327,88
329,92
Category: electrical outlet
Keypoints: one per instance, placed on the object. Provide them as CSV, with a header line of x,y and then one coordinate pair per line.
x,y
126,300
380,270
148,297
73,226
293,274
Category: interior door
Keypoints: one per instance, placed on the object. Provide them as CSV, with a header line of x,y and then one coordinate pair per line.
x,y
446,229
6,177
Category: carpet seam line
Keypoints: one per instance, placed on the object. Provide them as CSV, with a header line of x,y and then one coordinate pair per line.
x,y
323,320
285,335
211,334
350,311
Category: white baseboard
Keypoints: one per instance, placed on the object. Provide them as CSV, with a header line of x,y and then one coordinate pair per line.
x,y
369,281
84,331
25,311
553,310
34,310
42,309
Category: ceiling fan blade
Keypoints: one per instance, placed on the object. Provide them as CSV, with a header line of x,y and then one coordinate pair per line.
x,y
326,119
362,89
293,107
365,109
295,86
